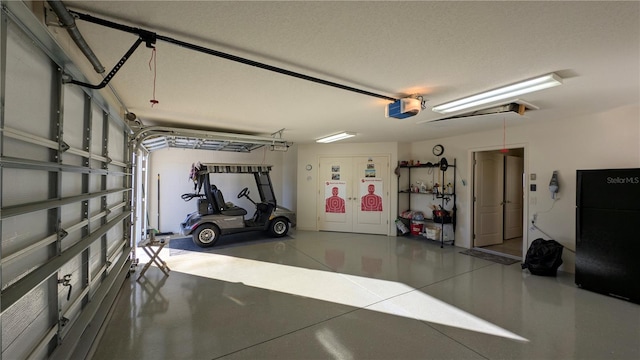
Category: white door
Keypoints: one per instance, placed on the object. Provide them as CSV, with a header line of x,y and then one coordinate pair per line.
x,y
353,194
514,169
371,196
335,194
488,194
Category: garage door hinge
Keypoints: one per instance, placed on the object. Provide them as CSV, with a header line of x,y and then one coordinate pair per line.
x,y
63,321
62,233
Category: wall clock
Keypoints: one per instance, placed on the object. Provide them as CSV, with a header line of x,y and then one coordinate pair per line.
x,y
438,150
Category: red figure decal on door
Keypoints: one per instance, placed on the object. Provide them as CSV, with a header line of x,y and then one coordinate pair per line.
x,y
334,203
371,201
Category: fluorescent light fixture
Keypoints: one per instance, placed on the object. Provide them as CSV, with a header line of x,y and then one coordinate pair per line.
x,y
523,87
336,137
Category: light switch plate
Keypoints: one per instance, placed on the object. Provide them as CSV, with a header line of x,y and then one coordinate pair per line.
x,y
532,176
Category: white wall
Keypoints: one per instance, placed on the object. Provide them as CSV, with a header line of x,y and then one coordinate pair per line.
x,y
308,180
605,140
289,184
174,165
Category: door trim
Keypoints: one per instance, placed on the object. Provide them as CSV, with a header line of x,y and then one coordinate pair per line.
x,y
525,205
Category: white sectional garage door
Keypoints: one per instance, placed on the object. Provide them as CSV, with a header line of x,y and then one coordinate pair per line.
x,y
65,214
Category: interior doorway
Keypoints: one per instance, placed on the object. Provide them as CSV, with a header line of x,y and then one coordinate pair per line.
x,y
498,192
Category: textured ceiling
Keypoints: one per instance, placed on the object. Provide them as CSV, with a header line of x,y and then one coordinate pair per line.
x,y
441,50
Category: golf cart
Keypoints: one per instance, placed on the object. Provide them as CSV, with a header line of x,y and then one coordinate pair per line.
x,y
215,217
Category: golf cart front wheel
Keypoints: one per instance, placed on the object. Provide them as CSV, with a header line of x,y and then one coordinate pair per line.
x,y
206,235
279,227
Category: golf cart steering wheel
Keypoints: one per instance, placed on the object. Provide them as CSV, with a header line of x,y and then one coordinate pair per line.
x,y
244,192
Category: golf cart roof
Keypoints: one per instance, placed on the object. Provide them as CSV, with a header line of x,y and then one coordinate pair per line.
x,y
220,168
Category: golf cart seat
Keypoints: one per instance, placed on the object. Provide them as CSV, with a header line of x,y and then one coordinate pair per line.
x,y
221,205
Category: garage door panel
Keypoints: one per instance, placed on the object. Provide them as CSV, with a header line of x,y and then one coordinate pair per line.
x,y
114,215
114,199
70,240
26,322
71,184
72,269
116,168
96,164
27,186
94,182
74,114
14,271
97,121
71,215
22,231
20,149
96,259
95,208
114,182
114,240
72,159
116,141
28,77
41,198
95,225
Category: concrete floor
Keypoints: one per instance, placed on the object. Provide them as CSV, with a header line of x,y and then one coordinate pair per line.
x,y
512,247
322,295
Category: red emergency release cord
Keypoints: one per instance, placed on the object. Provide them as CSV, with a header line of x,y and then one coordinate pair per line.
x,y
155,71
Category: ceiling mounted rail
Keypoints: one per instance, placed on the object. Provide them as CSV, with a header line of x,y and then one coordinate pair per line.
x,y
150,38
159,137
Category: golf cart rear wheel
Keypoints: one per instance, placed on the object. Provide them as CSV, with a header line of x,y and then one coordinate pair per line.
x,y
279,227
206,235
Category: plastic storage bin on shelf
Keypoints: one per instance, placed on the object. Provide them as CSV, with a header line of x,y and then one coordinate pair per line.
x,y
416,227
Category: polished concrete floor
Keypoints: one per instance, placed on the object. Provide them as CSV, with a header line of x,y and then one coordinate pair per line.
x,y
321,295
511,247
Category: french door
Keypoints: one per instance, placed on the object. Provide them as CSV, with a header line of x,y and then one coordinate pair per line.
x,y
353,194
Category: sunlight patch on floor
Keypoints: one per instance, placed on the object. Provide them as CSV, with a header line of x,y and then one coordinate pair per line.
x,y
373,294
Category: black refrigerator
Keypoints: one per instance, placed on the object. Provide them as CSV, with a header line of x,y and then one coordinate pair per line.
x,y
608,232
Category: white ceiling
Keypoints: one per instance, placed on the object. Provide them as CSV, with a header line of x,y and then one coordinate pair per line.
x,y
440,50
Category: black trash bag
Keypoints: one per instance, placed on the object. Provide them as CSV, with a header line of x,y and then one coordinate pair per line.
x,y
544,257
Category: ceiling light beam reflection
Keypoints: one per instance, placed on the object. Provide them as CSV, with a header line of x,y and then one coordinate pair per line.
x,y
356,291
332,345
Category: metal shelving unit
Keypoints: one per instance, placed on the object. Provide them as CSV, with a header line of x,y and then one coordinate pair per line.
x,y
441,198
